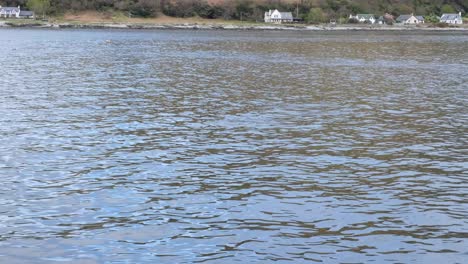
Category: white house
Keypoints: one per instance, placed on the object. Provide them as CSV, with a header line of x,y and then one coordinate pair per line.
x,y
275,16
10,11
410,19
452,19
364,18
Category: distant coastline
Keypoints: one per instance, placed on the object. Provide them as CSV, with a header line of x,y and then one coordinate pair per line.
x,y
226,26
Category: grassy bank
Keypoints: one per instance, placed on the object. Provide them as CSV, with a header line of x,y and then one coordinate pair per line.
x,y
23,22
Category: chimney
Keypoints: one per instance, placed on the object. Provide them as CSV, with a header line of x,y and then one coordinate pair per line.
x,y
459,13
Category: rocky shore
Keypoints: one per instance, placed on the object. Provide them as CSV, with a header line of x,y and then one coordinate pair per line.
x,y
227,26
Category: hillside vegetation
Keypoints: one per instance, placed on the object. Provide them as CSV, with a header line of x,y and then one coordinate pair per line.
x,y
253,10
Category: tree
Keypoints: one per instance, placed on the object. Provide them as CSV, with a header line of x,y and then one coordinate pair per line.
x,y
448,9
244,9
39,6
145,8
402,9
316,15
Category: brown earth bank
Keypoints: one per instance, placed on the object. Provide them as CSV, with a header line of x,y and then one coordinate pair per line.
x,y
99,17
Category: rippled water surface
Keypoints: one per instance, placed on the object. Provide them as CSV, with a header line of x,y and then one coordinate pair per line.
x,y
233,147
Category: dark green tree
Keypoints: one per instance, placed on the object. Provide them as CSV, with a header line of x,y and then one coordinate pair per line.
x,y
39,6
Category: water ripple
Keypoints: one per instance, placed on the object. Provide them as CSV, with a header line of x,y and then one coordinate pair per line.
x,y
223,147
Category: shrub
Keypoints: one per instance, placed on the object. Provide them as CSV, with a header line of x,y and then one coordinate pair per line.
x,y
432,18
353,21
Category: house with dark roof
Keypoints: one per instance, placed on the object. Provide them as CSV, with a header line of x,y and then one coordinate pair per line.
x,y
8,12
364,18
455,19
275,16
410,19
26,14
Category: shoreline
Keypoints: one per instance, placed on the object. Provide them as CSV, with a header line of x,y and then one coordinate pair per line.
x,y
226,26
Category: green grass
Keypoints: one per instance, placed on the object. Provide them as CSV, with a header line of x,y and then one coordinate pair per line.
x,y
20,22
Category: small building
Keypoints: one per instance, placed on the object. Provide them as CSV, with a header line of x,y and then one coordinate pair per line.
x,y
410,19
364,18
275,16
26,14
10,12
455,19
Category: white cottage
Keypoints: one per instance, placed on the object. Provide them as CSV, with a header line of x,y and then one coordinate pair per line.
x,y
10,11
452,19
410,19
275,16
364,18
